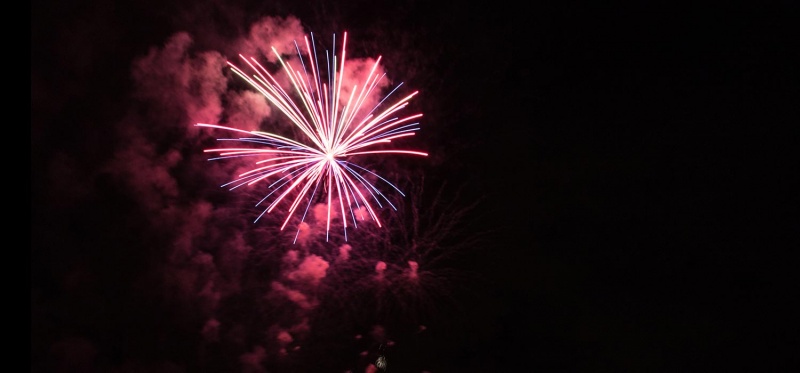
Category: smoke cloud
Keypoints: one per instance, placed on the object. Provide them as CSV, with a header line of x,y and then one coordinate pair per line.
x,y
233,284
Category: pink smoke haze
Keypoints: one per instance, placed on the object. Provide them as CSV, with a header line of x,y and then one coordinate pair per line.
x,y
252,290
312,270
344,252
210,330
252,362
285,338
412,272
308,186
269,32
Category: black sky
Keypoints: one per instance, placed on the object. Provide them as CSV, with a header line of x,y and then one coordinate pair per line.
x,y
636,163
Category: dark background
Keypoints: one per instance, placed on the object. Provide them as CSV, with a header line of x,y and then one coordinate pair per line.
x,y
636,160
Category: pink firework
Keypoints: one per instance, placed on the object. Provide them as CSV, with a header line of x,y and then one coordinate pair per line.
x,y
333,128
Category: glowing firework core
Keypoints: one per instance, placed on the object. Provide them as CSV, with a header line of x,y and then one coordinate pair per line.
x,y
333,128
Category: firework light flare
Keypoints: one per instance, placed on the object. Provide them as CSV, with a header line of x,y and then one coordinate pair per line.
x,y
333,128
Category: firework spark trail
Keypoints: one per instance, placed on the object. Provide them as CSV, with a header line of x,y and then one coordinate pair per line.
x,y
333,131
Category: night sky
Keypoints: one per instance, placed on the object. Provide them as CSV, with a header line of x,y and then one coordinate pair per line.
x,y
609,187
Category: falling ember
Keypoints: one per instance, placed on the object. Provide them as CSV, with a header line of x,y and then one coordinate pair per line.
x,y
334,129
413,267
380,268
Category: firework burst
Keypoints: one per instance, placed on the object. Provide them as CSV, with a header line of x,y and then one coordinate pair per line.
x,y
334,128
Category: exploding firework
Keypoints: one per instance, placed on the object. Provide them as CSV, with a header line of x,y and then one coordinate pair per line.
x,y
334,127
